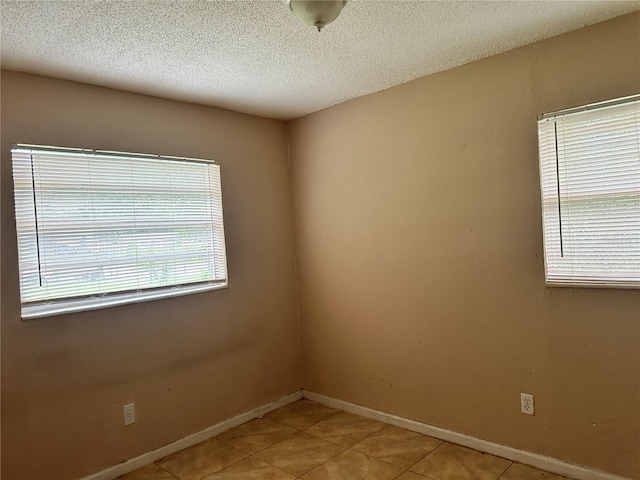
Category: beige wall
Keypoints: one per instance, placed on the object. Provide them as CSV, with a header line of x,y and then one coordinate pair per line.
x,y
187,362
419,241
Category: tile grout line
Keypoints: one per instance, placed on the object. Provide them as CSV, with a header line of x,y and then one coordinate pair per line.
x,y
301,431
162,468
347,448
226,466
328,459
332,457
351,448
232,463
419,460
271,465
441,444
425,456
298,431
505,470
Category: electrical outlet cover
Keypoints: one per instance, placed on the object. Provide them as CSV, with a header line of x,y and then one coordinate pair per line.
x,y
526,403
129,413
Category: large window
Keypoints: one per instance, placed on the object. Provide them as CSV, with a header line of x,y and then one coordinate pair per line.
x,y
97,228
590,181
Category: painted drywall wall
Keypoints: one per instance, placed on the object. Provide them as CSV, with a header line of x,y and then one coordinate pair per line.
x,y
420,257
186,362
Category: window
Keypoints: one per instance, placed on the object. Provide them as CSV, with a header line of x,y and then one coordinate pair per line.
x,y
590,182
98,228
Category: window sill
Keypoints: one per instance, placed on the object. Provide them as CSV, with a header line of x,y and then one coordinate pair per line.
x,y
623,286
95,303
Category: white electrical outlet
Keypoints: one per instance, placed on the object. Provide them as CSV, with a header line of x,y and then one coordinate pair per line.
x,y
526,403
129,413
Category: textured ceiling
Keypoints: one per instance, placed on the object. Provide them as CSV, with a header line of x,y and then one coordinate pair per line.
x,y
256,57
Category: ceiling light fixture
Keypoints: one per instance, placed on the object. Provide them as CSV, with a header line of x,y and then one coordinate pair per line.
x,y
316,12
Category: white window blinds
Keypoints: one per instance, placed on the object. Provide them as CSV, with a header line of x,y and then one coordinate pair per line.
x,y
590,182
101,228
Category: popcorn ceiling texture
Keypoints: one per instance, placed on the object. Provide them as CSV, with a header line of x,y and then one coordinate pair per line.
x,y
256,57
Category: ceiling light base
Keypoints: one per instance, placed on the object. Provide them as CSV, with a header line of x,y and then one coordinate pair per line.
x,y
317,13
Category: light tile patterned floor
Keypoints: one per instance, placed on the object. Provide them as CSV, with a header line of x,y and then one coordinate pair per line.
x,y
309,441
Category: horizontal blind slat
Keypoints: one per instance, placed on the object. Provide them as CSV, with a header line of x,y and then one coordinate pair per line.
x,y
591,196
91,224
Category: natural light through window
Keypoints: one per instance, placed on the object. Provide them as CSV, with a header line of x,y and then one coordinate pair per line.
x,y
590,181
97,228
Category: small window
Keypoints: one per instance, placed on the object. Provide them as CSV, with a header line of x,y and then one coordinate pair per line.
x,y
590,183
97,229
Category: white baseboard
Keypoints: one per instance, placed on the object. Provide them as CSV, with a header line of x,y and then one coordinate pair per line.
x,y
150,457
535,460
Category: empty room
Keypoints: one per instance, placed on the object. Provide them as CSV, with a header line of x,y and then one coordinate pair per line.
x,y
320,240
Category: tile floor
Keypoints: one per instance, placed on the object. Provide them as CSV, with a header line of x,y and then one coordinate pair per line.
x,y
309,441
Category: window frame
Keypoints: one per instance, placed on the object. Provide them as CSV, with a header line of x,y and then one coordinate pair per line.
x,y
555,278
211,193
